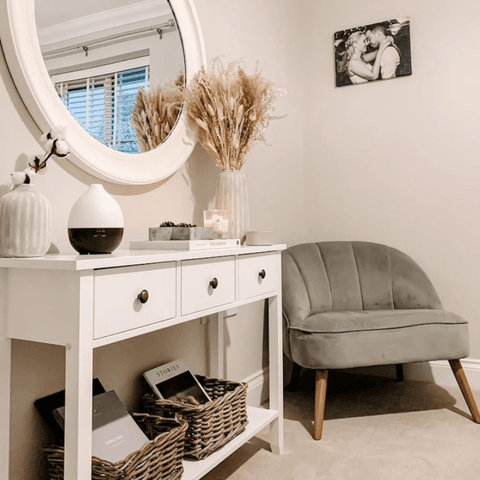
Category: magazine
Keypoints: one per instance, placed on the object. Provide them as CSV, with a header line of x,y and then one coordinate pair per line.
x,y
115,434
173,381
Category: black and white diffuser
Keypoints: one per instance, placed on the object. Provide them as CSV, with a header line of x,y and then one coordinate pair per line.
x,y
95,224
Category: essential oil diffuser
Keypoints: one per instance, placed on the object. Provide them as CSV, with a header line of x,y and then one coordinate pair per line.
x,y
95,224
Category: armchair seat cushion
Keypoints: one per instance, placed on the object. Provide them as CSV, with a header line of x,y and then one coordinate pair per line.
x,y
346,339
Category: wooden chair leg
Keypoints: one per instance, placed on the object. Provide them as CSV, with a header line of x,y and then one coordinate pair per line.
x,y
399,369
296,370
320,395
465,388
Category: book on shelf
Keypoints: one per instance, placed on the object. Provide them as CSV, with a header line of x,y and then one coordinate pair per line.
x,y
47,405
115,434
174,381
184,244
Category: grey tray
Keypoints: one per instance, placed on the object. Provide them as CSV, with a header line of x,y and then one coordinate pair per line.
x,y
180,233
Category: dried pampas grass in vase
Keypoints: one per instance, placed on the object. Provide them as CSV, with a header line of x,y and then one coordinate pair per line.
x,y
231,109
156,111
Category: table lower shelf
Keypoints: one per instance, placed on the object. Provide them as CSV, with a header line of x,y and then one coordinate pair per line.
x,y
258,419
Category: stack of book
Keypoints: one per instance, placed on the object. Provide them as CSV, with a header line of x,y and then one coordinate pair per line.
x,y
184,244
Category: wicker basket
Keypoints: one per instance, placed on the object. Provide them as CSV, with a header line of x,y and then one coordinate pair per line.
x,y
159,459
212,425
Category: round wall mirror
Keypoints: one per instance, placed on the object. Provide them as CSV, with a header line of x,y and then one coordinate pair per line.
x,y
112,72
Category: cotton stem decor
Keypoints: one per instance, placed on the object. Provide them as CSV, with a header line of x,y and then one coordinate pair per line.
x,y
54,144
155,112
25,214
232,110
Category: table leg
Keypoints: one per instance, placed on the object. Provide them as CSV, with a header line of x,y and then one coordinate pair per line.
x,y
5,374
276,371
217,350
78,383
78,414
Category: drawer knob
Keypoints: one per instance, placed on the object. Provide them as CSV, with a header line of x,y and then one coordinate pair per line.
x,y
143,296
214,283
262,274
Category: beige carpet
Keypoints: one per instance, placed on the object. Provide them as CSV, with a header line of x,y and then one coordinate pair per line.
x,y
375,429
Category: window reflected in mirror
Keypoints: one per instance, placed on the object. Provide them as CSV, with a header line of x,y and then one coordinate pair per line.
x,y
101,104
115,65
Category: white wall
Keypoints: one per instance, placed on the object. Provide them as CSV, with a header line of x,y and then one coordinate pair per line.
x,y
396,162
246,29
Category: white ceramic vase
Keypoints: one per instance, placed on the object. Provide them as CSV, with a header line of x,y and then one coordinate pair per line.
x,y
95,223
25,223
232,195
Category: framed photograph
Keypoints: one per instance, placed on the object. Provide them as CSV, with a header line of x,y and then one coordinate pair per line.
x,y
378,51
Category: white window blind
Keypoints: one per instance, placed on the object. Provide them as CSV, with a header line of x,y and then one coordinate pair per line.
x,y
102,103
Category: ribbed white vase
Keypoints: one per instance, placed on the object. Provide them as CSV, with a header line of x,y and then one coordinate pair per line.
x,y
25,223
232,195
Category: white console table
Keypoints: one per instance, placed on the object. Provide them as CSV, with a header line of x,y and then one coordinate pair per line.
x,y
85,302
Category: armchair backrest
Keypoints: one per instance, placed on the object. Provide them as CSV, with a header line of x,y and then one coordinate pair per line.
x,y
351,276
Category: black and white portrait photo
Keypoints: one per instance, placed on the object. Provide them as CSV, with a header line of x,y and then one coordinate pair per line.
x,y
378,51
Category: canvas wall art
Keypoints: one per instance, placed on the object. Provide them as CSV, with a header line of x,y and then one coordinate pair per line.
x,y
378,51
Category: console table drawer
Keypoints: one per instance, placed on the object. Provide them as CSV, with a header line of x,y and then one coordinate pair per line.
x,y
257,275
207,283
117,306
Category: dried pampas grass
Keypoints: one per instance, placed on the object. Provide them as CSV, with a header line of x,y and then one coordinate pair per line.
x,y
232,110
155,112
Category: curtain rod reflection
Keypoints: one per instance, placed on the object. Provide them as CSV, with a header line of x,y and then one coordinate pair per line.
x,y
86,45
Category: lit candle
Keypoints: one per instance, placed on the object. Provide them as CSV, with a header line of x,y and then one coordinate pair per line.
x,y
216,220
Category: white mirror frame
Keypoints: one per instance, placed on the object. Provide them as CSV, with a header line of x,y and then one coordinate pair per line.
x,y
22,51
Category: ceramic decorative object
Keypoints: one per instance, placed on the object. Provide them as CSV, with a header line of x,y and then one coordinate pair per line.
x,y
259,238
25,214
232,196
95,224
25,223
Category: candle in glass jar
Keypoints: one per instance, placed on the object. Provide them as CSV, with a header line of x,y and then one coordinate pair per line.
x,y
216,220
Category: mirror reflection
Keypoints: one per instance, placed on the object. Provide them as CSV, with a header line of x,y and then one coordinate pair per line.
x,y
117,65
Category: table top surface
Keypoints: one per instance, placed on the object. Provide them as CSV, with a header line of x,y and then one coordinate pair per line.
x,y
121,258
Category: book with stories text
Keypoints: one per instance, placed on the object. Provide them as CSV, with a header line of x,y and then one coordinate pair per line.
x,y
174,381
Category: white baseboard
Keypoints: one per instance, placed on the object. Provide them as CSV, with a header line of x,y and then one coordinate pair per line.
x,y
438,372
257,392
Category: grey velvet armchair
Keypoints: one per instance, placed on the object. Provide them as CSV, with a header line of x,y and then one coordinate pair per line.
x,y
354,304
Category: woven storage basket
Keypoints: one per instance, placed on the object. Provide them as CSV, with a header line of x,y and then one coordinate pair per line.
x,y
159,459
211,425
